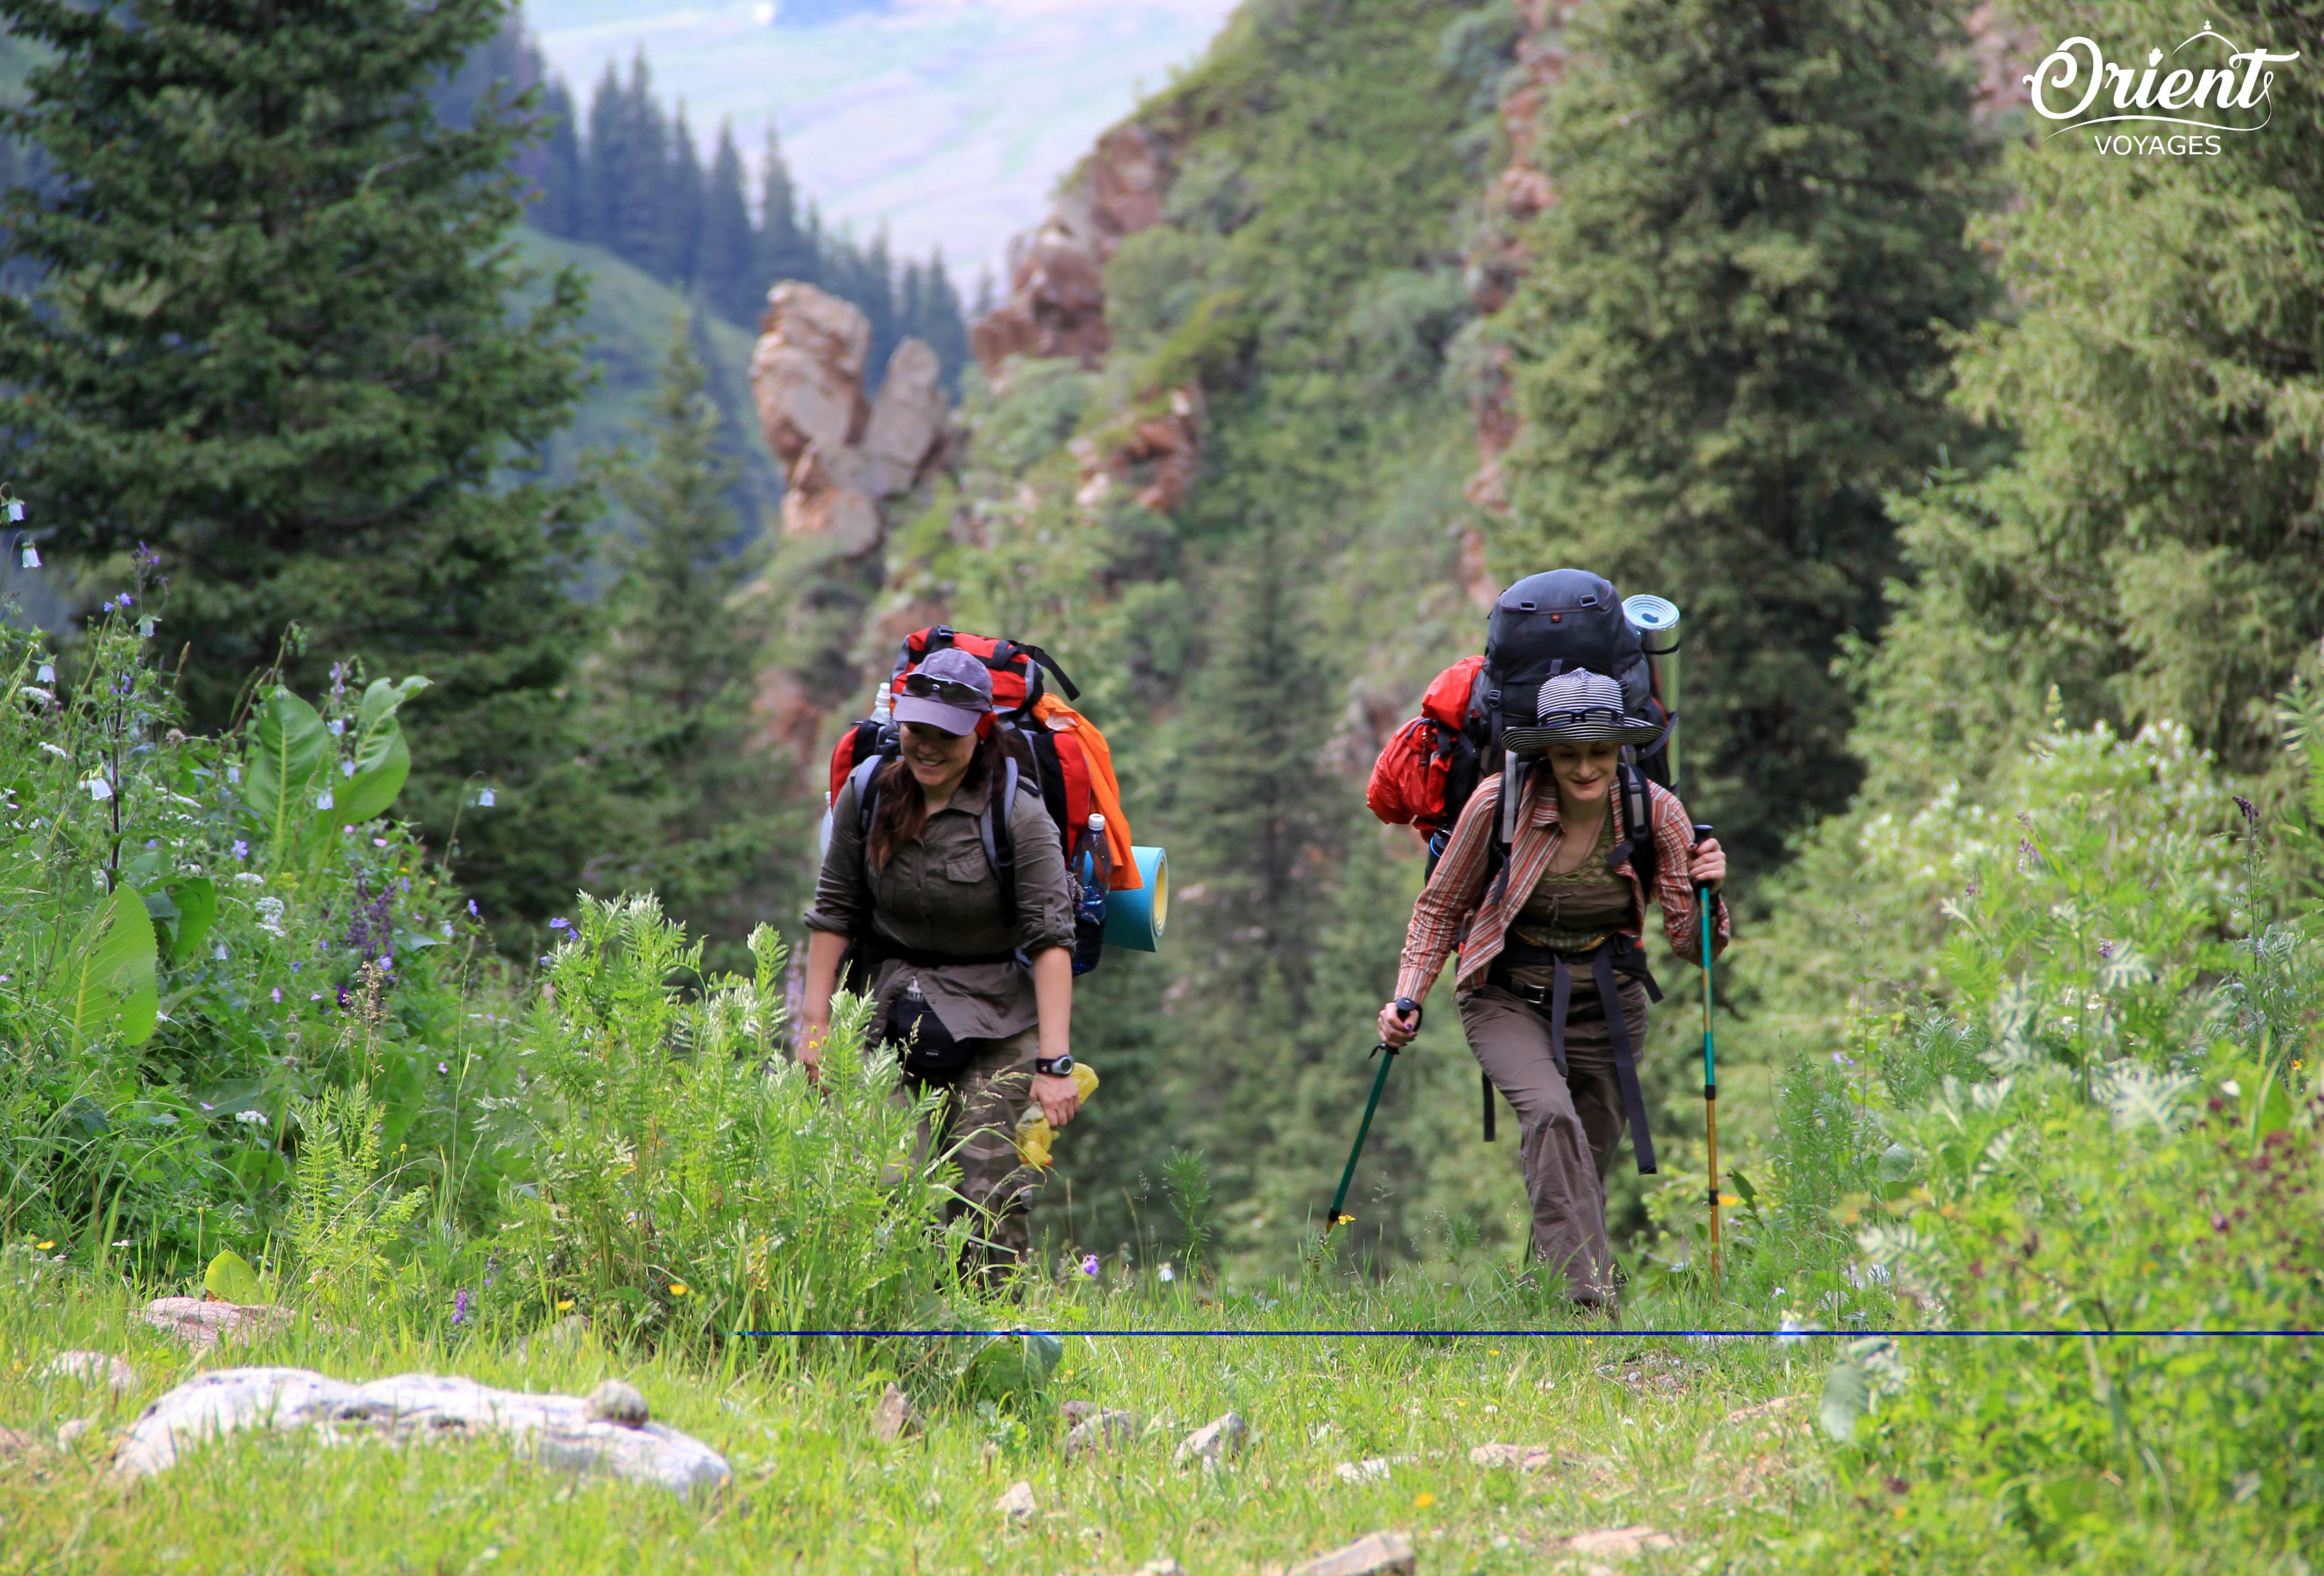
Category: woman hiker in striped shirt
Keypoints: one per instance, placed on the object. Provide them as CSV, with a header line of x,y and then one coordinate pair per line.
x,y
1545,936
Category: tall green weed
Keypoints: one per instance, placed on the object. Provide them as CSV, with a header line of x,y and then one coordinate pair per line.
x,y
190,924
690,1183
2095,1119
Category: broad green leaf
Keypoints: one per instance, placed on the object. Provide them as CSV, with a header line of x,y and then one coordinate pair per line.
x,y
1846,1393
197,900
111,969
290,748
382,759
160,909
229,1278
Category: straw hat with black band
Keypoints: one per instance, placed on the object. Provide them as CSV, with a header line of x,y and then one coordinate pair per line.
x,y
1581,708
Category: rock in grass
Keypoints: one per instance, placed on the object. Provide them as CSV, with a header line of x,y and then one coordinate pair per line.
x,y
1164,1567
202,1323
555,1431
895,1417
1100,1432
1220,1440
1015,1503
14,1444
617,1403
1619,1543
91,1367
1370,1470
1524,1458
1378,1554
71,1429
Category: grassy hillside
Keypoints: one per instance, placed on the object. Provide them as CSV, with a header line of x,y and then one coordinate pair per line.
x,y
631,321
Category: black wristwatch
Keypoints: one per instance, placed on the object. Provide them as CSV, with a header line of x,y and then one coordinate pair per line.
x,y
1055,1067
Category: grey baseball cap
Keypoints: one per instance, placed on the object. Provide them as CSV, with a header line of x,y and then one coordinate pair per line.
x,y
951,690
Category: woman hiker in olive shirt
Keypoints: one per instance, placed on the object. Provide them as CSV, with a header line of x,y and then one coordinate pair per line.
x,y
924,893
1570,904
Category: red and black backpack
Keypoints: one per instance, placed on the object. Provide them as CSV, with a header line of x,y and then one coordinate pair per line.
x,y
1051,751
1544,625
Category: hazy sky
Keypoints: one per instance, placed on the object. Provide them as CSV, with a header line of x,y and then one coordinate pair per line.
x,y
949,121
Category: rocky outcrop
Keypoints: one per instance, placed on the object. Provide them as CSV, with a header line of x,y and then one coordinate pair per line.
x,y
202,1322
1056,290
608,1433
844,455
1156,461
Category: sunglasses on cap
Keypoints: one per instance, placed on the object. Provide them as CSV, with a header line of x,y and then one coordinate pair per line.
x,y
950,691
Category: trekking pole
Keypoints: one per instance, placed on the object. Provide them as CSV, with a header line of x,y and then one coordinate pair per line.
x,y
1380,1081
1709,1065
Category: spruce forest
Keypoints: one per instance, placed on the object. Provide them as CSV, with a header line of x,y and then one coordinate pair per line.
x,y
451,519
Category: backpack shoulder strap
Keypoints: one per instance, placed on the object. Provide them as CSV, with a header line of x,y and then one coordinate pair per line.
x,y
1000,842
1638,845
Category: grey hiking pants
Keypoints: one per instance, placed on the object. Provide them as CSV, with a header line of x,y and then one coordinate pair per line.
x,y
1568,1126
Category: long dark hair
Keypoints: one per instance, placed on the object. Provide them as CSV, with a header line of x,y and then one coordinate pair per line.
x,y
902,814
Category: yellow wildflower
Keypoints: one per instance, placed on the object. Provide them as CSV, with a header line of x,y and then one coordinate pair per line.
x,y
678,1288
1423,1501
565,1305
46,1246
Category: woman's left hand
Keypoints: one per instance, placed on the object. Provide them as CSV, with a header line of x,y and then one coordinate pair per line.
x,y
1708,865
1060,1098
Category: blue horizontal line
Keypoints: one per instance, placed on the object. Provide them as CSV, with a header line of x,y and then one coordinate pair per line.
x,y
1608,1332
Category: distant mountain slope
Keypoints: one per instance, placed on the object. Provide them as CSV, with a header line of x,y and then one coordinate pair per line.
x,y
947,120
631,321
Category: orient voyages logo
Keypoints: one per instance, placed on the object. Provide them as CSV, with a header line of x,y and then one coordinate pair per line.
x,y
2206,86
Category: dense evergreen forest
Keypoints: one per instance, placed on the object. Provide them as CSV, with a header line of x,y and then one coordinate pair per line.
x,y
627,174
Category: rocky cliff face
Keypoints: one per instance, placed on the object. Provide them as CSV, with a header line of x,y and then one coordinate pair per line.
x,y
1057,294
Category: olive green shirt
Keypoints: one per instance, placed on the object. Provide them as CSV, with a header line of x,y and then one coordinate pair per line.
x,y
939,894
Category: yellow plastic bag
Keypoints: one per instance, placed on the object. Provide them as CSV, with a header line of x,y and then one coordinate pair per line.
x,y
1034,1134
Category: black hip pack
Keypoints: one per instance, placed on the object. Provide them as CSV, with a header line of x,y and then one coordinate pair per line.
x,y
931,1052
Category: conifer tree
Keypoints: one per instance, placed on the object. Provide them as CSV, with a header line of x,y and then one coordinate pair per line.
x,y
1727,350
671,688
682,219
723,266
2151,550
557,209
786,249
275,341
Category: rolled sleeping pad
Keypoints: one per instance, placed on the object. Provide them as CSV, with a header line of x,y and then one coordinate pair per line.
x,y
1135,920
1656,620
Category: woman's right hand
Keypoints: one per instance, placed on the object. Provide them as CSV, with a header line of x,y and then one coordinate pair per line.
x,y
1396,1031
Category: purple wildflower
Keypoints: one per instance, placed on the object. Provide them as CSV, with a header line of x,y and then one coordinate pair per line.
x,y
472,910
277,994
1089,1266
560,924
241,849
460,1306
443,1068
379,842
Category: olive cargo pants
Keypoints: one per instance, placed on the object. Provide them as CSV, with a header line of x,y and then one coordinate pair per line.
x,y
996,1187
1568,1126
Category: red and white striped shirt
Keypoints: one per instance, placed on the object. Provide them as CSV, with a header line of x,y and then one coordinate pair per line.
x,y
1457,889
